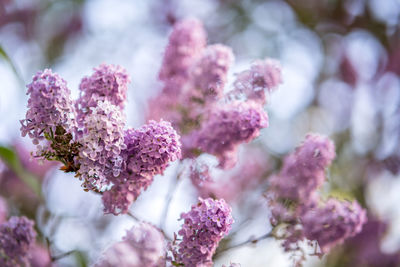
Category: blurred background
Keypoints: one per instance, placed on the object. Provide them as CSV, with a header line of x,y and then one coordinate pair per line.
x,y
340,63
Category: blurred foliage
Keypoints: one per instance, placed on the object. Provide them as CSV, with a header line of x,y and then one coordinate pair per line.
x,y
10,157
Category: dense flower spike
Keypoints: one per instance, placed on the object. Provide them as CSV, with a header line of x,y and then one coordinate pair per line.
x,y
194,77
186,42
151,148
102,142
50,108
331,224
108,82
303,171
17,237
209,74
229,126
125,190
143,245
204,226
264,75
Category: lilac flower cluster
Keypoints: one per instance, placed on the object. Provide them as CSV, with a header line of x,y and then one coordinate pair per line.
x,y
186,43
303,171
108,82
148,152
332,223
102,142
263,75
209,73
204,226
143,245
197,102
295,203
231,125
115,162
151,147
17,237
50,109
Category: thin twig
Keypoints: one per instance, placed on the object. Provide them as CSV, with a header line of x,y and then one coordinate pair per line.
x,y
56,258
171,191
130,214
250,241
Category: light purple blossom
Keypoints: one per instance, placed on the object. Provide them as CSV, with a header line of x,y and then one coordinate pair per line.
x,y
365,247
204,226
151,148
227,127
148,152
332,223
186,42
102,141
209,73
49,106
303,171
108,82
263,75
143,245
125,190
17,237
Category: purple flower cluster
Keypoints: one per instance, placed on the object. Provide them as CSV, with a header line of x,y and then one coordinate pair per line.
x,y
193,105
365,248
17,237
332,223
295,203
150,148
102,141
148,152
204,226
303,171
185,45
227,127
263,75
118,163
108,82
143,245
49,107
209,73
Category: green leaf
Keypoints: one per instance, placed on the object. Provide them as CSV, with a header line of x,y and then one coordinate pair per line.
x,y
80,259
5,56
11,159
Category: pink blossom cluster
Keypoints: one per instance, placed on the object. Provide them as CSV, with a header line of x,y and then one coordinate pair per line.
x,y
148,151
108,82
295,203
17,238
89,137
196,103
204,226
49,106
143,245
